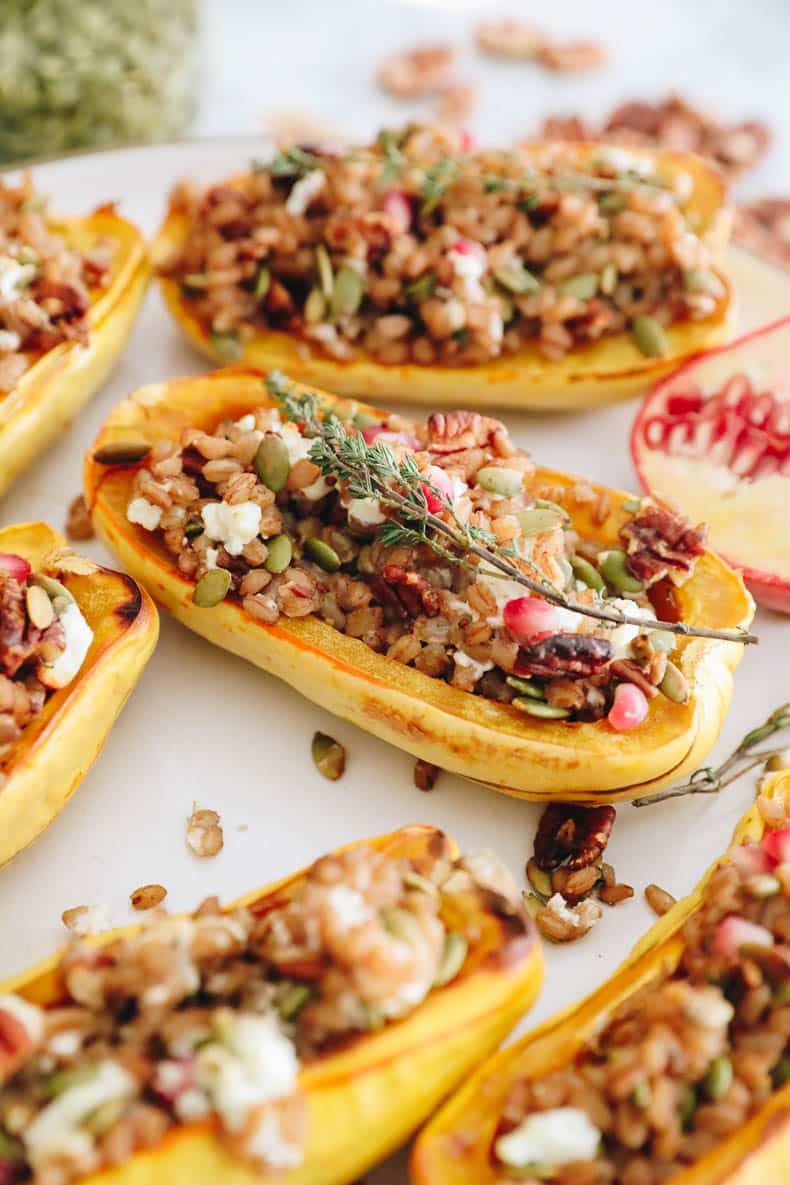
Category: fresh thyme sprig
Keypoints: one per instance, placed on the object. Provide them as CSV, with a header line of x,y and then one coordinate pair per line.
x,y
746,757
373,471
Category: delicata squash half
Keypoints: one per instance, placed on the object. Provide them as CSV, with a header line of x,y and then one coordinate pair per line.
x,y
69,293
299,1036
74,639
549,276
674,1072
206,490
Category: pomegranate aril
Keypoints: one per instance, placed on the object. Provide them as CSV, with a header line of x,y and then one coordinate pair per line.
x,y
397,205
750,859
629,708
777,845
528,619
15,566
734,933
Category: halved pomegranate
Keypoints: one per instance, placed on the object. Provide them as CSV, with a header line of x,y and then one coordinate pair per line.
x,y
714,439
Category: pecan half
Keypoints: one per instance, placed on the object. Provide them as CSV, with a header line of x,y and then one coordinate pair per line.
x,y
453,431
409,593
574,655
572,836
659,542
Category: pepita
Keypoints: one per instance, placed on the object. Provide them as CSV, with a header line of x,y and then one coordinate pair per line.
x,y
262,282
586,572
329,756
63,1080
506,482
674,685
39,607
612,202
662,640
696,279
687,1107
212,588
422,288
315,306
453,958
326,276
613,568
346,292
539,879
400,924
272,463
525,687
227,345
649,336
780,1075
192,528
58,594
609,278
718,1079
581,287
538,519
294,998
322,554
535,707
279,553
122,452
366,419
516,278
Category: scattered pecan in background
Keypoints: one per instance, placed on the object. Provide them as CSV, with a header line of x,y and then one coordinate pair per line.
x,y
574,836
425,774
457,102
78,520
517,40
764,227
302,127
204,833
416,73
572,57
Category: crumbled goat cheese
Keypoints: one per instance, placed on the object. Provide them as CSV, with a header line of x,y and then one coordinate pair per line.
x,y
298,446
246,423
14,278
79,636
462,659
366,511
28,1015
304,191
9,341
254,1062
232,525
550,1139
348,906
622,636
470,268
141,511
317,489
57,1133
211,557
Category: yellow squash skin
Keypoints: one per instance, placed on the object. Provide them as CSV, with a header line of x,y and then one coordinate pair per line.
x,y
50,759
608,370
490,742
366,1099
61,381
454,1148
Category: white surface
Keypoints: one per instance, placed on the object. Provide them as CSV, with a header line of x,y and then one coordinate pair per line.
x,y
207,727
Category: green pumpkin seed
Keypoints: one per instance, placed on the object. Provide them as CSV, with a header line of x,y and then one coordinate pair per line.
x,y
415,880
227,345
545,504
613,568
537,519
782,994
649,336
366,419
517,279
279,553
662,640
567,571
346,292
539,879
315,306
322,554
581,287
545,711
507,482
532,903
718,1079
612,202
400,924
62,1080
453,958
272,463
262,282
674,685
780,1075
294,998
99,1122
329,756
586,572
325,274
122,452
192,528
212,588
58,594
525,687
641,1095
422,288
10,1149
696,279
687,1107
609,278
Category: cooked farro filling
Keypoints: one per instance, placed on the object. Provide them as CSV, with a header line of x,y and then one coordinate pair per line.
x,y
685,1062
212,1016
44,284
309,548
43,642
414,251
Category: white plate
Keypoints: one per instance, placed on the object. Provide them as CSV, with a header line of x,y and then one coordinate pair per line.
x,y
203,726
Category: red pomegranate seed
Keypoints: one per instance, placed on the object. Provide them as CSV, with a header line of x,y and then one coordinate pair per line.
x,y
735,932
15,566
528,619
777,845
629,708
397,205
750,859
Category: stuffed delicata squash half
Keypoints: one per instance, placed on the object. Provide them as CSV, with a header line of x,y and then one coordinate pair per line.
x,y
550,276
300,1036
365,560
69,293
674,1072
74,639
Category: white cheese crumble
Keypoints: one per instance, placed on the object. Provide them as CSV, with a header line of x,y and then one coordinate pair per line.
x,y
253,1063
304,191
550,1139
462,659
622,636
246,423
469,267
14,278
232,525
212,554
9,340
298,446
317,489
348,906
143,512
79,636
366,511
56,1132
65,1044
28,1015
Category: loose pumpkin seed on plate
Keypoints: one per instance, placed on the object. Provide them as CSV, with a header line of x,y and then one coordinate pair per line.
x,y
329,756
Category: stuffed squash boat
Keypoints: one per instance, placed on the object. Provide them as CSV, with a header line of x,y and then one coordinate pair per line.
x,y
299,1036
210,493
74,639
675,1071
69,293
547,276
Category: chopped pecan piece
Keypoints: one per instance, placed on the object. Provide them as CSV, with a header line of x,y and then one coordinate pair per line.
x,y
660,543
574,655
629,672
572,836
407,592
417,72
453,431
